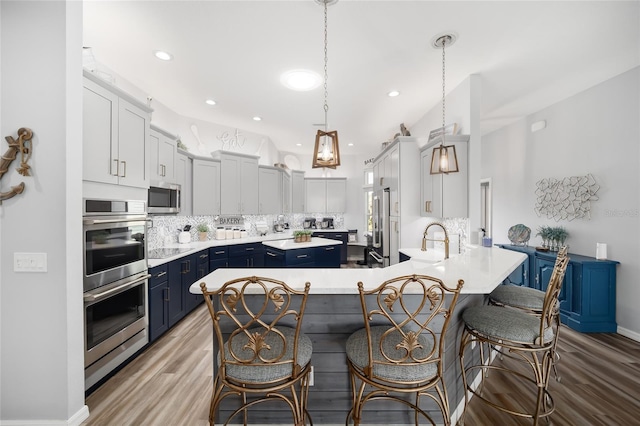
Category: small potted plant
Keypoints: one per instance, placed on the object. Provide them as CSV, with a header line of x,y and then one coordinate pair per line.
x,y
545,233
307,235
203,231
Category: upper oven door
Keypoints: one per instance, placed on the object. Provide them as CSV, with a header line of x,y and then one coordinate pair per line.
x,y
114,248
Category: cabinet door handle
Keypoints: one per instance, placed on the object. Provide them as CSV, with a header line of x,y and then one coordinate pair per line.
x,y
396,207
537,279
250,249
219,252
302,256
204,256
525,275
115,160
329,248
271,254
427,206
187,264
161,274
124,168
381,180
338,236
168,295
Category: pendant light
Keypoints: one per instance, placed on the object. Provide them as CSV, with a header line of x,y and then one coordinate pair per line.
x,y
444,159
326,152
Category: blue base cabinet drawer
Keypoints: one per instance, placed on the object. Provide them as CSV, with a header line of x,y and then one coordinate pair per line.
x,y
158,302
328,257
249,255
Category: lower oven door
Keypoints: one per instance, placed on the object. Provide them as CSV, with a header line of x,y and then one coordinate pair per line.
x,y
113,314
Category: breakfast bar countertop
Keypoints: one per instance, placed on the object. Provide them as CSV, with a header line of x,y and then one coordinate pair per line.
x,y
481,268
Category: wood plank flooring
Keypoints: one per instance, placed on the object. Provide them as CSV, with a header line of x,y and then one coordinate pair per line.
x,y
170,383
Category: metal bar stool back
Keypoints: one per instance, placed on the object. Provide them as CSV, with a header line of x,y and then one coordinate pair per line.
x,y
398,355
520,335
262,353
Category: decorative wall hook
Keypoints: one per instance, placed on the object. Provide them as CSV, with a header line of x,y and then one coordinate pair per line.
x,y
23,146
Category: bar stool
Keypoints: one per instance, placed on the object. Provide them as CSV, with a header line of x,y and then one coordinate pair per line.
x,y
518,334
261,350
529,300
400,350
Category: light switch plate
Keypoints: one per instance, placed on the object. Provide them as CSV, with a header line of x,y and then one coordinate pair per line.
x,y
30,262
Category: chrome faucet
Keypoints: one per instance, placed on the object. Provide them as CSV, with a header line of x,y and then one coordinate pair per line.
x,y
446,238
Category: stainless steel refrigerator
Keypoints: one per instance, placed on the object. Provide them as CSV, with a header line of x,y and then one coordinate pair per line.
x,y
381,228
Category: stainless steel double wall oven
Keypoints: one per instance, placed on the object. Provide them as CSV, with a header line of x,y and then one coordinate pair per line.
x,y
115,284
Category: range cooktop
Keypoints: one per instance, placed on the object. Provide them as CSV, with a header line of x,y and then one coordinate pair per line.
x,y
164,252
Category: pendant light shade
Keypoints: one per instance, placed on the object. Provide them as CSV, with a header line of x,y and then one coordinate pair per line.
x,y
444,159
326,152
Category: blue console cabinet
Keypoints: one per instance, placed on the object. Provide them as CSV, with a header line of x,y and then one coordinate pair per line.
x,y
588,295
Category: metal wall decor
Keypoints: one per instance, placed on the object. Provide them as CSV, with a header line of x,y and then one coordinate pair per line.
x,y
23,146
567,198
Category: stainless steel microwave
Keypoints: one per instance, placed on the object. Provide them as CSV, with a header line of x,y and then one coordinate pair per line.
x,y
164,198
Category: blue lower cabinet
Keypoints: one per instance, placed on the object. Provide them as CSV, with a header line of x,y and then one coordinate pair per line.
x,y
588,293
249,255
202,269
328,256
218,258
175,296
338,236
158,302
273,258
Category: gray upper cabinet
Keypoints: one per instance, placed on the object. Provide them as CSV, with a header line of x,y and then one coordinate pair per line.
x,y
297,191
115,128
286,192
325,195
238,183
162,155
270,190
445,195
183,177
206,187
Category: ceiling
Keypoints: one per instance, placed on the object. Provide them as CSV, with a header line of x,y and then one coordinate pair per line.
x,y
529,55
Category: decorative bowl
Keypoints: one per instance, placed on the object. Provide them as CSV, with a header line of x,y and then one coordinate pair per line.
x,y
519,235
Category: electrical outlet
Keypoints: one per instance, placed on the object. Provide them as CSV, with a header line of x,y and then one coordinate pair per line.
x,y
311,376
30,262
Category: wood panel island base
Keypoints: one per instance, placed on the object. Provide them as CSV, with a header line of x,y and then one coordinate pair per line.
x,y
333,312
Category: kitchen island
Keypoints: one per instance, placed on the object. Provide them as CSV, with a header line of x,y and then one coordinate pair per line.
x,y
333,312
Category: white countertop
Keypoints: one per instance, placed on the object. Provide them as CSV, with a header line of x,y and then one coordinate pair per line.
x,y
482,269
196,246
291,245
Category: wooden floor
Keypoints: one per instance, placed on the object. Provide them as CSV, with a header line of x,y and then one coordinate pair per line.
x,y
170,383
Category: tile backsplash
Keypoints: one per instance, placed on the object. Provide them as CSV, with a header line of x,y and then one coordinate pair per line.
x,y
164,229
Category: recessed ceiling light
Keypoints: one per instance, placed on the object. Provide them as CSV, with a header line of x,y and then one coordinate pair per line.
x,y
350,144
256,118
298,144
210,102
301,80
393,93
165,56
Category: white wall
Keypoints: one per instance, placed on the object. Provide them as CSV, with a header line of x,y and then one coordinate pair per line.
x,y
598,132
41,354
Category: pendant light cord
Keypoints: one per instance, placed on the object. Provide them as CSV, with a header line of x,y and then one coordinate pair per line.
x,y
444,42
326,93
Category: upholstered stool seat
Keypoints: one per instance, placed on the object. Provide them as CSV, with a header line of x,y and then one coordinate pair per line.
x,y
518,297
257,371
358,354
505,324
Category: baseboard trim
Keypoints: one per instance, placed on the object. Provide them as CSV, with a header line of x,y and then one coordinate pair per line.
x,y
628,333
76,420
